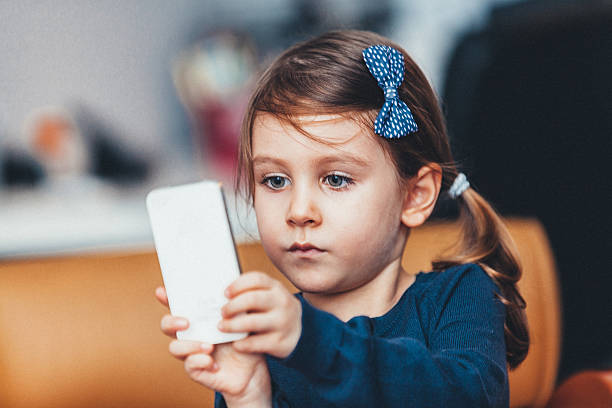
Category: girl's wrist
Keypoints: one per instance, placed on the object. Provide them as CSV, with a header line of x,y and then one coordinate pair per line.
x,y
255,400
257,394
231,402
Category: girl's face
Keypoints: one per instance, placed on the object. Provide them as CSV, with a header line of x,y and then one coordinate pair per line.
x,y
329,216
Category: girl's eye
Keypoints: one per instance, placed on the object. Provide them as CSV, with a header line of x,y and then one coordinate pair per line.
x,y
338,181
275,182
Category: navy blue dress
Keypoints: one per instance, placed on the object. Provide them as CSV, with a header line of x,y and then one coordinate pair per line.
x,y
441,345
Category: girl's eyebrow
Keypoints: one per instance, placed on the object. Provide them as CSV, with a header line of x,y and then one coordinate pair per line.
x,y
344,158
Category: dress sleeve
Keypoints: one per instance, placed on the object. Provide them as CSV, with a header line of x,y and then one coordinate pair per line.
x,y
463,364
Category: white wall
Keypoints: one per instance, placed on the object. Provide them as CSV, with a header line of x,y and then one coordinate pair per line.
x,y
114,56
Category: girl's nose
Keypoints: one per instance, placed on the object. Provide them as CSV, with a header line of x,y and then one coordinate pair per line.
x,y
303,209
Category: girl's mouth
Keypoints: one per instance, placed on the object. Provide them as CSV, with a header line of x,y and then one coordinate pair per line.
x,y
305,249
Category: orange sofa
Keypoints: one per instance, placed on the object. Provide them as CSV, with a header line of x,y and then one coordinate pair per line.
x,y
83,330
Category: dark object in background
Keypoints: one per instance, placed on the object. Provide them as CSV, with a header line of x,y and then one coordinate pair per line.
x,y
109,159
20,169
112,162
529,108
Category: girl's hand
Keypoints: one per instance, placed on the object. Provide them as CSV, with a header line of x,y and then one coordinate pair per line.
x,y
242,378
262,306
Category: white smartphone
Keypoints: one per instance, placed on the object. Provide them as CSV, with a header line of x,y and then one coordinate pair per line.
x,y
197,255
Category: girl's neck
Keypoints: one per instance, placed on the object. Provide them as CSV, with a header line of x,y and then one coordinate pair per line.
x,y
372,299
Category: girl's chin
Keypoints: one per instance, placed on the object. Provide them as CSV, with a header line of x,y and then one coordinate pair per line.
x,y
313,283
318,287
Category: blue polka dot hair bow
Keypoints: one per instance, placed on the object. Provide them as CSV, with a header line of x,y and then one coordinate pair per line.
x,y
386,64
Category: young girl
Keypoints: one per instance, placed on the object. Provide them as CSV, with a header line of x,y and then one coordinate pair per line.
x,y
343,151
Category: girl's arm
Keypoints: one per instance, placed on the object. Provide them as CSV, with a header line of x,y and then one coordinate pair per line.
x,y
463,364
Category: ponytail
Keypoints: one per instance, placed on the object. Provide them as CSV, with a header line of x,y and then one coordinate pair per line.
x,y
486,241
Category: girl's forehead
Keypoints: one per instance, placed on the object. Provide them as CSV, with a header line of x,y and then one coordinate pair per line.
x,y
334,131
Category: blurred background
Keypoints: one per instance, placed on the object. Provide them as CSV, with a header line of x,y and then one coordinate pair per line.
x,y
100,102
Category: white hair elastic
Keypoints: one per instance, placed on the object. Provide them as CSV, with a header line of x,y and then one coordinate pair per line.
x,y
459,186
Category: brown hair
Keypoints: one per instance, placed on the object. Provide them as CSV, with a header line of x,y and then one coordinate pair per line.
x,y
327,74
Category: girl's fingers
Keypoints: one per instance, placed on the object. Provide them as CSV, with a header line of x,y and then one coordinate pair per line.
x,y
199,361
171,324
183,348
252,322
253,300
259,343
162,297
249,281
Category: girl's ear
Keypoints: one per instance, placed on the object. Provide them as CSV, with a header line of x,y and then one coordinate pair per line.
x,y
422,194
